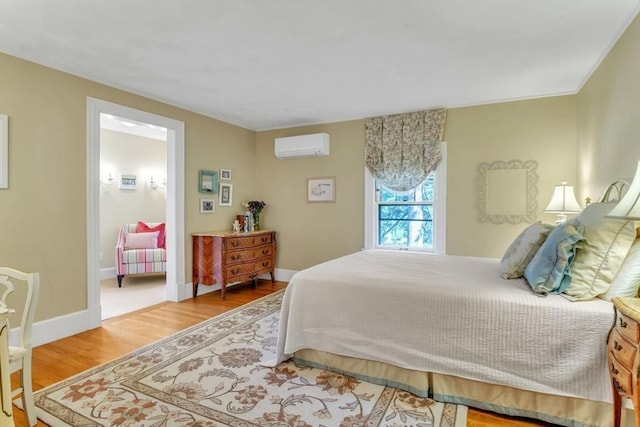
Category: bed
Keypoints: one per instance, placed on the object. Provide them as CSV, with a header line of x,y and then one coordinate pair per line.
x,y
451,327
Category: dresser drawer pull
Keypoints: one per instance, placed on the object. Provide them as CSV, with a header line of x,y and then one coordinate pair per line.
x,y
235,243
265,264
265,252
616,346
614,371
235,257
235,271
623,324
264,240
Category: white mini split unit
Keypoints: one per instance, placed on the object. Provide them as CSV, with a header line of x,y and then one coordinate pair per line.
x,y
294,147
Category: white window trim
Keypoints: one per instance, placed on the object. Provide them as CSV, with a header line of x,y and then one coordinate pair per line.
x,y
439,207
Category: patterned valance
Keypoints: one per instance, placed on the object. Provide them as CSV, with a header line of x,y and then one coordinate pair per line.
x,y
403,149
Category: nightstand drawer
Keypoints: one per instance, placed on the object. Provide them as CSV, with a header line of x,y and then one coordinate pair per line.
x,y
627,327
622,377
622,349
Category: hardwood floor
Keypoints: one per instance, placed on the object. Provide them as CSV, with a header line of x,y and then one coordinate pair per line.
x,y
120,335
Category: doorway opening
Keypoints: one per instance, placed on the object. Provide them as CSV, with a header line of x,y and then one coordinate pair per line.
x,y
175,289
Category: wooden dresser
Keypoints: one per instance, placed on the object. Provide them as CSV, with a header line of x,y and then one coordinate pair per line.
x,y
623,357
225,257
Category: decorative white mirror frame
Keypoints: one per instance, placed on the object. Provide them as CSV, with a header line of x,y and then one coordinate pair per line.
x,y
516,183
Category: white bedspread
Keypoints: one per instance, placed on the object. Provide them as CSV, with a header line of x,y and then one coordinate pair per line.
x,y
450,315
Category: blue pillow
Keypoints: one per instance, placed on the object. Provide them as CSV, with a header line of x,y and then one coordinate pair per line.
x,y
549,270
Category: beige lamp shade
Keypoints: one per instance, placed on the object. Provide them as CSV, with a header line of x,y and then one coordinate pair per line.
x,y
563,200
629,206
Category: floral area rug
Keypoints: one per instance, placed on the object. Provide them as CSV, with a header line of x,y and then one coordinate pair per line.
x,y
211,375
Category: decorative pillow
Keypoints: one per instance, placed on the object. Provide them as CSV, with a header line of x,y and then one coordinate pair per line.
x,y
549,270
522,250
627,281
607,242
160,228
141,240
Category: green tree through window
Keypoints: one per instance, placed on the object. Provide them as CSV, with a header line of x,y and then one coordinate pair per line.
x,y
405,220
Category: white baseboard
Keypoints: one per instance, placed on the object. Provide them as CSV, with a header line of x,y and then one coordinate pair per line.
x,y
108,273
50,330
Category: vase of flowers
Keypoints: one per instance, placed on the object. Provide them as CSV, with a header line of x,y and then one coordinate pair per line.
x,y
255,208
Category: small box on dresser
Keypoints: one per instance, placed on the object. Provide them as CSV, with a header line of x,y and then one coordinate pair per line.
x,y
623,357
223,257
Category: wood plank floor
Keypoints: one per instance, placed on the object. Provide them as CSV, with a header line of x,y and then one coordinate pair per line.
x,y
121,335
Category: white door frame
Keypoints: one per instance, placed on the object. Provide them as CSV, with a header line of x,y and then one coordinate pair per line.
x,y
175,201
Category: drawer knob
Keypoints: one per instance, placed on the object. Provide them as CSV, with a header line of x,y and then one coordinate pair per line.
x,y
265,264
616,346
235,244
235,257
235,271
619,388
265,251
614,371
623,324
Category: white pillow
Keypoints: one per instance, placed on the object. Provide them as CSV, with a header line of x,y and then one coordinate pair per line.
x,y
141,240
522,250
627,281
607,242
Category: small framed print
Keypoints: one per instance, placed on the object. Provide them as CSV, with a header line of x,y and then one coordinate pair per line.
x,y
207,206
208,182
226,194
321,190
127,182
225,174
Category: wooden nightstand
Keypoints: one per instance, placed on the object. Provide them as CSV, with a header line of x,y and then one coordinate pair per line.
x,y
622,353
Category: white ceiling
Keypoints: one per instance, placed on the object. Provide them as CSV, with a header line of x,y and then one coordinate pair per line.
x,y
266,64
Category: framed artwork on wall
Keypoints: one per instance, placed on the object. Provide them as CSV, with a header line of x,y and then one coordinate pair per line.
x,y
225,174
208,182
4,151
207,206
226,194
321,190
127,182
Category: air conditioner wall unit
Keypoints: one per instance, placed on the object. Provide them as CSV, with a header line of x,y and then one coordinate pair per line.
x,y
293,147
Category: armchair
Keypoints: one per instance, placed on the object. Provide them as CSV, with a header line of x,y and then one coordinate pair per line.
x,y
140,253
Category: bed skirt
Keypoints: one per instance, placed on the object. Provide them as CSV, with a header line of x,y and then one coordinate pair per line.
x,y
561,410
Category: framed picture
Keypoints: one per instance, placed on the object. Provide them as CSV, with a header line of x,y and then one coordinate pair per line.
x,y
207,206
127,182
208,182
321,190
225,174
226,194
4,151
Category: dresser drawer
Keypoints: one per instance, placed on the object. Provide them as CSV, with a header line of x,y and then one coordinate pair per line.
x,y
627,327
247,241
622,376
622,349
240,256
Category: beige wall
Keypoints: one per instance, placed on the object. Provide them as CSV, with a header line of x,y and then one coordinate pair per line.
x,y
123,153
310,233
43,213
609,117
543,130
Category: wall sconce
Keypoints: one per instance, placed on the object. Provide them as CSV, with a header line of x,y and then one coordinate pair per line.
x,y
563,201
155,185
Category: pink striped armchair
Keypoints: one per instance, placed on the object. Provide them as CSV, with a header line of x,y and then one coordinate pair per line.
x,y
138,261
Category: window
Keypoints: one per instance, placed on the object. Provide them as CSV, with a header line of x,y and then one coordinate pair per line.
x,y
412,221
405,220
